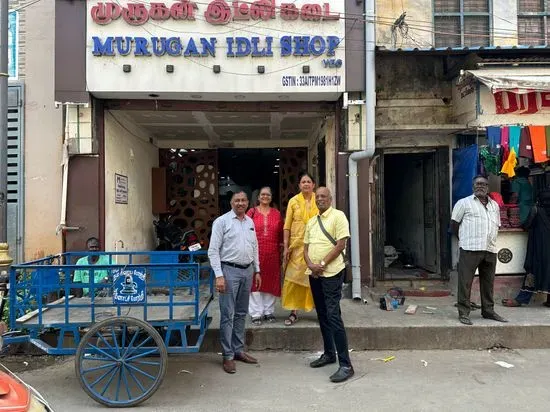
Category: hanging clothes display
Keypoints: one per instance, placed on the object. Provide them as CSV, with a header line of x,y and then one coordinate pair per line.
x,y
525,147
505,142
514,133
489,161
538,143
509,165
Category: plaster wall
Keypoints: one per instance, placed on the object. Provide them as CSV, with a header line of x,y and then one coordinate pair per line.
x,y
130,154
43,134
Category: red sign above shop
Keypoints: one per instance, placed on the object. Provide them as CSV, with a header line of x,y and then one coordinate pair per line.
x,y
521,103
217,11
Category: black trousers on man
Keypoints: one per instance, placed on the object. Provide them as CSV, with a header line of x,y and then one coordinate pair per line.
x,y
327,293
468,262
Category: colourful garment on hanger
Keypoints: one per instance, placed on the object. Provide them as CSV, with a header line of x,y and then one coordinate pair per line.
x,y
514,135
493,139
505,143
509,165
538,143
525,147
547,141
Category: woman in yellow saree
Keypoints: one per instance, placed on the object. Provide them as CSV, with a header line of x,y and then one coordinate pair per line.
x,y
296,292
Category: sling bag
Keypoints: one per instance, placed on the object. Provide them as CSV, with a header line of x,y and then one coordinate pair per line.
x,y
329,237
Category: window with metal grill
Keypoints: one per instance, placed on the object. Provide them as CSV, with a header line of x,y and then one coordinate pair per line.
x,y
533,22
462,23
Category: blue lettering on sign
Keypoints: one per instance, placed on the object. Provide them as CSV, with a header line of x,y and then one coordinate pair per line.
x,y
208,47
243,46
235,46
123,45
141,47
332,63
173,46
159,46
230,52
103,49
191,49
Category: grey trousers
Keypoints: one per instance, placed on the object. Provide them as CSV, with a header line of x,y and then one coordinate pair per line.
x,y
234,308
468,262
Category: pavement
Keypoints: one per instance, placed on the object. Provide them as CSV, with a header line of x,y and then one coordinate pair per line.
x,y
413,381
434,326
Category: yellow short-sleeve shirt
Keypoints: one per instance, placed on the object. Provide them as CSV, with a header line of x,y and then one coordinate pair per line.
x,y
336,224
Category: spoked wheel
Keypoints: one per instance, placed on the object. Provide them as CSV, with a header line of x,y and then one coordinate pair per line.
x,y
121,361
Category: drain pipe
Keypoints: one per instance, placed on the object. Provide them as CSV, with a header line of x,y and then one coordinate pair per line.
x,y
370,102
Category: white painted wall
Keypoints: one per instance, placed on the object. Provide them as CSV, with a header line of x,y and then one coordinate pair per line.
x,y
194,75
131,156
43,134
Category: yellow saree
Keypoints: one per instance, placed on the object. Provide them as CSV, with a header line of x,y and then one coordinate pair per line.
x,y
296,294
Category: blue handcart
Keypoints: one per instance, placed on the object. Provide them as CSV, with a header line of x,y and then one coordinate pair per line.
x,y
120,322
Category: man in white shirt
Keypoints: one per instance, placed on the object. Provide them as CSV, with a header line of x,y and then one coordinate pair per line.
x,y
476,220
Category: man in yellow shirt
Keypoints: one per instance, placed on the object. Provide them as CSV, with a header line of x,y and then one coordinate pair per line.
x,y
325,242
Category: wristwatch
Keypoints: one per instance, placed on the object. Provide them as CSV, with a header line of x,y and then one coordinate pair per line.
x,y
322,263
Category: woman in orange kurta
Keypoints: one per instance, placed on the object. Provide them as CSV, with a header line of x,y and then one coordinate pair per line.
x,y
296,291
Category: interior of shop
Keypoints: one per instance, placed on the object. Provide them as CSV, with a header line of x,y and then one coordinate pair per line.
x,y
187,164
412,247
248,170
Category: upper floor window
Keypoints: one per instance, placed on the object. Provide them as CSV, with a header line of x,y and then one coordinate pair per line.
x,y
533,22
462,23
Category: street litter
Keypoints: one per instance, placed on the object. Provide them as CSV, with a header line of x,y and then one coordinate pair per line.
x,y
385,360
428,312
350,350
185,371
411,309
314,355
26,363
431,308
504,364
424,362
365,302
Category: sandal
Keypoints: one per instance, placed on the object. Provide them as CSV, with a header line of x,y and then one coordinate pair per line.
x,y
510,303
257,321
291,320
270,318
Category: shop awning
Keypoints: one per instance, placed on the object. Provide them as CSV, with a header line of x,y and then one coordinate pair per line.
x,y
519,80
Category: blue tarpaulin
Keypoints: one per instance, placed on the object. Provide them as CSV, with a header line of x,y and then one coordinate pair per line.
x,y
464,171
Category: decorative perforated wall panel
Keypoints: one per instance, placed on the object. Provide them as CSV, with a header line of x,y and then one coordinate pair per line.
x,y
192,188
292,163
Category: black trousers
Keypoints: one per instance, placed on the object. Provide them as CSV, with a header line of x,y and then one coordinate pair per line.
x,y
468,262
327,293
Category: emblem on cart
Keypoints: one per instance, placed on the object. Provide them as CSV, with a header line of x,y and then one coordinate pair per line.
x,y
128,287
505,255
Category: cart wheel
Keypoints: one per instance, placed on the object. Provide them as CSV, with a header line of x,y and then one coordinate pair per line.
x,y
121,361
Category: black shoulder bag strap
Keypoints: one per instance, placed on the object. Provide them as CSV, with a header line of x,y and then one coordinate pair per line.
x,y
329,237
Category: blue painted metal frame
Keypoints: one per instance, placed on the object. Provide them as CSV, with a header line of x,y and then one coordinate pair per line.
x,y
50,277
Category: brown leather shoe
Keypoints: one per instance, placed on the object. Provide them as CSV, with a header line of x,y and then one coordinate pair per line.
x,y
229,366
245,357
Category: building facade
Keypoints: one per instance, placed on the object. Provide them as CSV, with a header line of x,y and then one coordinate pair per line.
x,y
138,109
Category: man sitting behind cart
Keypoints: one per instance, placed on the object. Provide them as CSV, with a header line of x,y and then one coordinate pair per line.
x,y
83,275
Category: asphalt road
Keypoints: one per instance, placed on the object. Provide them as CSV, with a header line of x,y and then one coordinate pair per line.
x,y
412,381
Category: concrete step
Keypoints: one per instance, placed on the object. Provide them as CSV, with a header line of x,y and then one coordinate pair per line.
x,y
434,326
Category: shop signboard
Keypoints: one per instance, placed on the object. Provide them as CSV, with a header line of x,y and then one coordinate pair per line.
x,y
216,47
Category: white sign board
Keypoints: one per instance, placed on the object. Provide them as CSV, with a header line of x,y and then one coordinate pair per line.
x,y
216,49
121,189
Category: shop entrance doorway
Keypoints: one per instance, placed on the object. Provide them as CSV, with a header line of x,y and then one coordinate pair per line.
x,y
411,217
200,183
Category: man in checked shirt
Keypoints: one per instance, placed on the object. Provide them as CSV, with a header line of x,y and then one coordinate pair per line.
x,y
476,220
